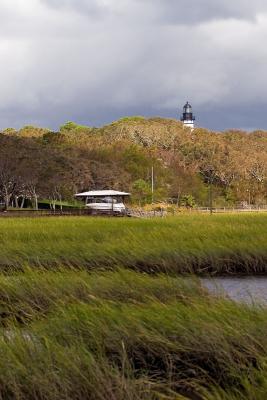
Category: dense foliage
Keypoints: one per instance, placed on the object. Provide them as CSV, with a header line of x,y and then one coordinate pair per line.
x,y
37,164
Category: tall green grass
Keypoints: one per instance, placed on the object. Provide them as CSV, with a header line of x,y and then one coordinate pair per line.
x,y
32,294
75,324
197,243
125,335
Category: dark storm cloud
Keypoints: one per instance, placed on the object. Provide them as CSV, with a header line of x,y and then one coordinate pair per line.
x,y
186,11
93,61
174,11
92,7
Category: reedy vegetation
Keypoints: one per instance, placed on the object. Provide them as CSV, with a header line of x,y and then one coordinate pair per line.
x,y
125,335
198,243
93,308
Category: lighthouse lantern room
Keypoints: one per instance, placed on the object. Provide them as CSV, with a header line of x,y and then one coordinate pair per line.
x,y
188,118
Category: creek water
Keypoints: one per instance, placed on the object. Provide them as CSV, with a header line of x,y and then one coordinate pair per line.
x,y
245,289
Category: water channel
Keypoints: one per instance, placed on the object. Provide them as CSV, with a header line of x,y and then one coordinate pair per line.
x,y
245,289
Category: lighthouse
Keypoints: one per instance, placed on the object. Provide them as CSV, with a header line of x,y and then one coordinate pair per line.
x,y
188,118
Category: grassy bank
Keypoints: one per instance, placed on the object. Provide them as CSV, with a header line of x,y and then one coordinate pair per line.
x,y
197,243
126,336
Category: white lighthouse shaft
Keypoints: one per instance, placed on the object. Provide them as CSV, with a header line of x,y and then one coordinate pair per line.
x,y
189,124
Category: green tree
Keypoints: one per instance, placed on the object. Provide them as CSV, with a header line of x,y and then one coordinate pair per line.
x,y
141,191
188,201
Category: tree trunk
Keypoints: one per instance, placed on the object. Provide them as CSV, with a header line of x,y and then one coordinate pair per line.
x,y
6,199
60,199
22,202
35,202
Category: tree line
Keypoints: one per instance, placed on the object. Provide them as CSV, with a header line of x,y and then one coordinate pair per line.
x,y
36,163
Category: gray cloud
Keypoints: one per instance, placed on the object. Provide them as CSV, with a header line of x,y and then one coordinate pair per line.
x,y
174,11
197,11
96,60
94,8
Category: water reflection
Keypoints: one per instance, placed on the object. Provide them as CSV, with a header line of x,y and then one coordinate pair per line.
x,y
245,289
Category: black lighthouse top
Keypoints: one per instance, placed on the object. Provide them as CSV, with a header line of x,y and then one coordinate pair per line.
x,y
188,113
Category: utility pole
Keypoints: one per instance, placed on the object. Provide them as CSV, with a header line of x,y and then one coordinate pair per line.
x,y
249,198
211,198
152,184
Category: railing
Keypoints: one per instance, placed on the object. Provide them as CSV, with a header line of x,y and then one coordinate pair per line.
x,y
45,213
61,213
130,212
262,208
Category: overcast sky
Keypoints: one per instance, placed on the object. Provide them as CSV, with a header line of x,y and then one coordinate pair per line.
x,y
93,61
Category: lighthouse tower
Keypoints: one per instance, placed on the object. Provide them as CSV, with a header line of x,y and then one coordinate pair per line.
x,y
188,118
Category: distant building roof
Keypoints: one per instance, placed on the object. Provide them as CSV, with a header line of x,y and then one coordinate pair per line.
x,y
101,193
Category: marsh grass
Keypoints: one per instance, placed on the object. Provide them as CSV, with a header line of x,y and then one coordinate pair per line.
x,y
75,325
222,244
125,335
33,293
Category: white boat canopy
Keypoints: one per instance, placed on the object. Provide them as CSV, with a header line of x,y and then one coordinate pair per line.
x,y
102,193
